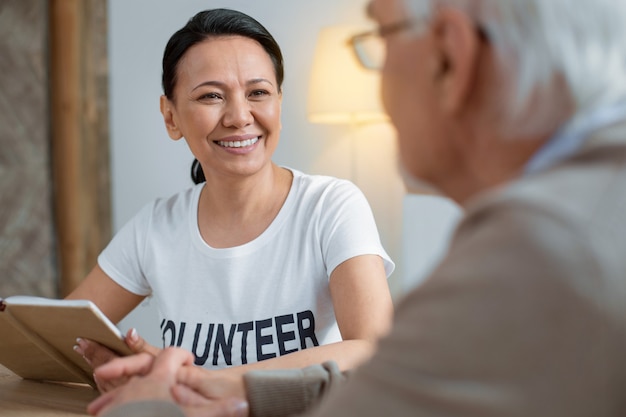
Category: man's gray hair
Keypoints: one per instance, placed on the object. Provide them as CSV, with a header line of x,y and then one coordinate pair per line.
x,y
582,43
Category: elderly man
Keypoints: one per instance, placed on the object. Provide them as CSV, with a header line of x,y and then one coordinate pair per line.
x,y
516,109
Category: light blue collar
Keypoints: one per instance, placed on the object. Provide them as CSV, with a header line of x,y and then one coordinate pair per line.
x,y
570,137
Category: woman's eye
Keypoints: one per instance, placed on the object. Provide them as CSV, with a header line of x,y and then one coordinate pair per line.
x,y
259,93
210,96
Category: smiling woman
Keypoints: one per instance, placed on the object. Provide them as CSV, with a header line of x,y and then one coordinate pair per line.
x,y
257,265
229,81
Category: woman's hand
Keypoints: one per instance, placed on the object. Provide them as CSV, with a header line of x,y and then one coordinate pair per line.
x,y
97,355
138,344
94,353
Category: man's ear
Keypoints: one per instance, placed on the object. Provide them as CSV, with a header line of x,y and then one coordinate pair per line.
x,y
459,45
167,111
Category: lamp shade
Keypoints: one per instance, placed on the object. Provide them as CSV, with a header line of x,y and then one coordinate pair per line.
x,y
341,90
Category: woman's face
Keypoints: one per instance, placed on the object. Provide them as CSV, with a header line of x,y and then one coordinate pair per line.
x,y
226,105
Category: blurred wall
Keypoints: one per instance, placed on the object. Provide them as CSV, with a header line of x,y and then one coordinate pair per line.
x,y
27,250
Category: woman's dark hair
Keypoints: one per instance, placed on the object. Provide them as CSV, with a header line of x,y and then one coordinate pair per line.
x,y
208,24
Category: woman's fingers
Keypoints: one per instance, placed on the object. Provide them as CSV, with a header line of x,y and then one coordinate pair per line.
x,y
138,344
94,353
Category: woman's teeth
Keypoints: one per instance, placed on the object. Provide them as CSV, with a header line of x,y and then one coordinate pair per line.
x,y
237,143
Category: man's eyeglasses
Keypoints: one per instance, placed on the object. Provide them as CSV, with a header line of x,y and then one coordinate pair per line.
x,y
369,47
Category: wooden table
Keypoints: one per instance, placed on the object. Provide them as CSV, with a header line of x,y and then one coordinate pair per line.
x,y
20,398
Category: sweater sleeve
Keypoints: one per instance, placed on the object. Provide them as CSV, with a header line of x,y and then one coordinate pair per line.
x,y
285,392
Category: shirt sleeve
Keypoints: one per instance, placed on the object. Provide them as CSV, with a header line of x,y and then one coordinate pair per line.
x,y
349,228
122,259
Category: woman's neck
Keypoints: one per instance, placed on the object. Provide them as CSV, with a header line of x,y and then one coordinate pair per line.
x,y
234,212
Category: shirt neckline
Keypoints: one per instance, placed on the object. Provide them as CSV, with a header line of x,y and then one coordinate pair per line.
x,y
257,242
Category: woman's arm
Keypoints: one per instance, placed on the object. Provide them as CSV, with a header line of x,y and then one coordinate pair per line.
x,y
111,298
364,310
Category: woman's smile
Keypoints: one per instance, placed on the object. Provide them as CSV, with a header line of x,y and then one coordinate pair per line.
x,y
239,145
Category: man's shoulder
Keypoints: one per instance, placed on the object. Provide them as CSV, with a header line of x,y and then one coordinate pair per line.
x,y
580,189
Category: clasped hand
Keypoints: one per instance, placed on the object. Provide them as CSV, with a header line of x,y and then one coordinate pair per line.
x,y
171,376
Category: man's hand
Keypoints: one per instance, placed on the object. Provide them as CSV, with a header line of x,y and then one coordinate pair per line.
x,y
119,371
160,376
198,386
156,379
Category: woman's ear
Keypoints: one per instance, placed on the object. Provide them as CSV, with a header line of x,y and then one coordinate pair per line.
x,y
168,112
459,45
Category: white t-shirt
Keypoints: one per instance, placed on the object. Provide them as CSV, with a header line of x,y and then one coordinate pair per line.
x,y
266,298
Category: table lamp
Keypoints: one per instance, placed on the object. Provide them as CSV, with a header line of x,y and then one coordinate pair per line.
x,y
341,91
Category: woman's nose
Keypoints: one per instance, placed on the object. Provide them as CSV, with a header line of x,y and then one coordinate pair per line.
x,y
238,113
